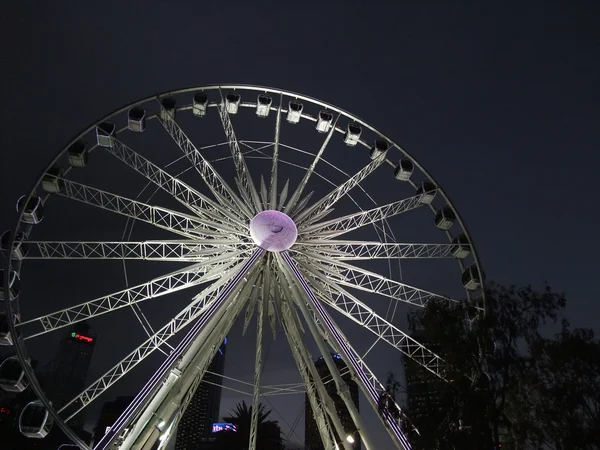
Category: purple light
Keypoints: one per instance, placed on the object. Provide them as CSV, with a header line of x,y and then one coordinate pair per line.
x,y
348,353
175,354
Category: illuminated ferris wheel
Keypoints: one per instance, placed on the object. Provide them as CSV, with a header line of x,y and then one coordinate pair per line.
x,y
271,207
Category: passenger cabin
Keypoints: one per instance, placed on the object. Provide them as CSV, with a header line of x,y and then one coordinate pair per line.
x,y
167,112
471,278
51,181
232,103
404,170
14,284
200,104
6,339
33,212
19,250
12,375
105,133
263,105
352,136
35,421
294,112
78,154
427,191
136,119
379,149
445,218
324,120
460,246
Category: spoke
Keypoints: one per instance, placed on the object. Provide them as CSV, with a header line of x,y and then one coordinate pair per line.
x,y
248,190
183,193
337,339
176,281
320,401
273,183
258,366
357,250
219,188
320,208
155,385
354,309
191,312
303,299
361,279
291,206
167,219
191,369
183,251
336,227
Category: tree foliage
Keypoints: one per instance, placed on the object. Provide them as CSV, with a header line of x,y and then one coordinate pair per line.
x,y
269,433
504,380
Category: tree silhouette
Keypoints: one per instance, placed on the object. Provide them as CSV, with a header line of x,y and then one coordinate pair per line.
x,y
269,432
506,381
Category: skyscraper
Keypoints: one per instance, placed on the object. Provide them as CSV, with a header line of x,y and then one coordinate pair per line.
x,y
108,416
422,386
64,377
312,438
195,427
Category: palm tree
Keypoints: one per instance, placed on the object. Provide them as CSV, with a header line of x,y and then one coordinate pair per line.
x,y
269,433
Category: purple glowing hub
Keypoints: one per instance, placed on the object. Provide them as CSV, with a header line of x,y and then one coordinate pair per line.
x,y
273,231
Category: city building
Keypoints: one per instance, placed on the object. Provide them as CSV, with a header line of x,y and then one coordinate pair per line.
x,y
194,431
108,416
64,377
422,386
312,438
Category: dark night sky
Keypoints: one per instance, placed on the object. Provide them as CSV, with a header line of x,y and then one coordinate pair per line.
x,y
499,103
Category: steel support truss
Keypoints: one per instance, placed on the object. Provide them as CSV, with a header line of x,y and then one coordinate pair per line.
x,y
196,250
197,307
160,383
356,250
182,279
183,193
217,185
164,218
366,380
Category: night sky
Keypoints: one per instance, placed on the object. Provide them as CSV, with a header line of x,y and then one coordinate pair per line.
x,y
499,103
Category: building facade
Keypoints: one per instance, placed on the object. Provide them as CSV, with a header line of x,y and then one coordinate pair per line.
x,y
108,416
312,438
64,377
194,431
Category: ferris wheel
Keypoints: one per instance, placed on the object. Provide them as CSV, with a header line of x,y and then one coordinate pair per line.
x,y
271,207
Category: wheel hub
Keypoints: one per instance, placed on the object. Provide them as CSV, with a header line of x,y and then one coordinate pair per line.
x,y
273,231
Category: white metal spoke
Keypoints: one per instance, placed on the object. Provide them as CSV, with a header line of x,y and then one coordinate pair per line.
x,y
318,406
320,208
182,279
220,189
274,165
357,250
336,227
177,365
183,251
248,189
182,192
355,277
167,219
258,366
192,368
332,333
347,304
291,206
321,402
191,312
